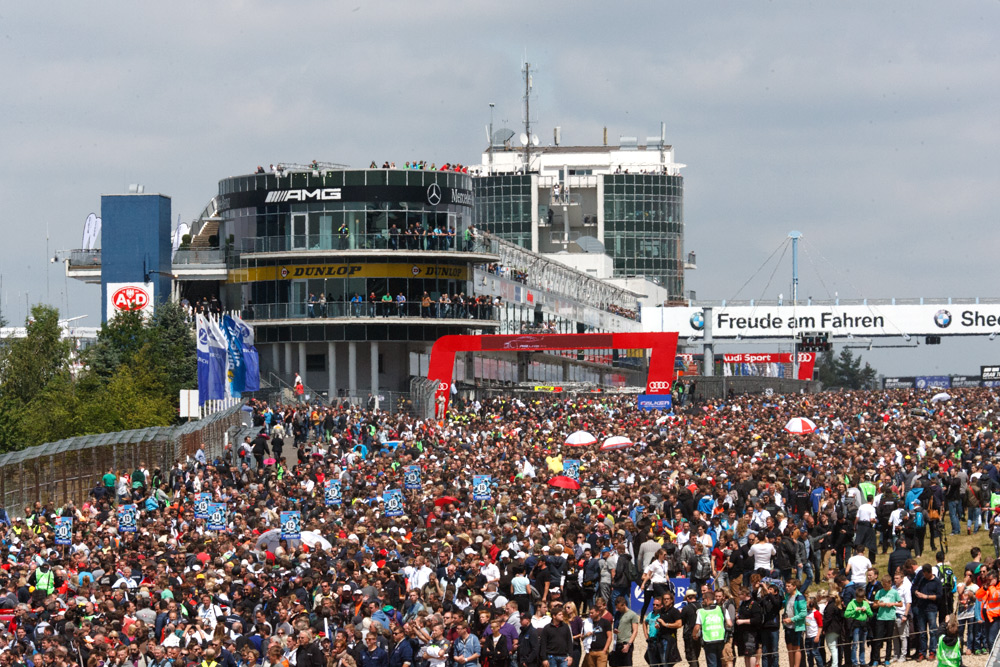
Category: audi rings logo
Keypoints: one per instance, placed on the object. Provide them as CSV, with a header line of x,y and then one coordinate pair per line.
x,y
942,318
698,321
659,385
433,194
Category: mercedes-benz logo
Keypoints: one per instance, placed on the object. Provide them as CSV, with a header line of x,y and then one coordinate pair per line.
x,y
433,194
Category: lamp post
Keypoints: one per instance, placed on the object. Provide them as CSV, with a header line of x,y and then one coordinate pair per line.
x,y
491,137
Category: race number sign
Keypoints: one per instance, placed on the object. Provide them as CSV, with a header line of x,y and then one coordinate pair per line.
x,y
571,468
411,478
217,515
64,530
291,525
331,492
393,499
201,502
127,518
481,487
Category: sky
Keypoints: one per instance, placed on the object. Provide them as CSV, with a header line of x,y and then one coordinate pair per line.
x,y
872,128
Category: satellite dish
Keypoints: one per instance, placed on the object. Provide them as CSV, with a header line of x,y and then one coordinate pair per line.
x,y
524,139
534,140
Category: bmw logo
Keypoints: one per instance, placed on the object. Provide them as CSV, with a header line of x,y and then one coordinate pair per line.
x,y
942,318
698,321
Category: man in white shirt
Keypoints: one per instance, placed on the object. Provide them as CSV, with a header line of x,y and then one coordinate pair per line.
x,y
763,553
900,640
858,565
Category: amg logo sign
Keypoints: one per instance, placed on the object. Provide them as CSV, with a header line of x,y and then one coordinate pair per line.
x,y
319,194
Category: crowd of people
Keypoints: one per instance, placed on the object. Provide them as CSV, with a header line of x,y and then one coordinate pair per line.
x,y
743,541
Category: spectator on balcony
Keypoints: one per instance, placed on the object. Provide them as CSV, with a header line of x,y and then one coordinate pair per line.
x,y
321,306
345,232
401,304
357,303
444,305
425,305
372,304
394,237
312,305
386,304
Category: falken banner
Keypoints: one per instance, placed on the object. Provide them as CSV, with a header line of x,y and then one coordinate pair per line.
x,y
838,320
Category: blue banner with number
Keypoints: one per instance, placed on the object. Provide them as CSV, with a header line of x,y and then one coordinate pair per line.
x,y
393,499
411,478
127,518
201,502
571,468
64,530
217,516
331,492
482,487
291,525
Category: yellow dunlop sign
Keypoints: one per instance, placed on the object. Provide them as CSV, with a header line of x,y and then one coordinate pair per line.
x,y
316,271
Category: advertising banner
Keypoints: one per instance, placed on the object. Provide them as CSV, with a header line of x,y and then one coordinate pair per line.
x,y
291,525
681,585
899,383
218,514
959,381
201,502
839,320
331,492
127,518
482,487
932,382
989,373
124,297
663,402
411,478
64,530
393,499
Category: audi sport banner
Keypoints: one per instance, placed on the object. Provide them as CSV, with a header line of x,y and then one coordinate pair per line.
x,y
838,320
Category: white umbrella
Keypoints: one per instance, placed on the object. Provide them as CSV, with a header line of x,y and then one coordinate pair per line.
x,y
311,539
580,439
941,398
800,426
616,442
270,539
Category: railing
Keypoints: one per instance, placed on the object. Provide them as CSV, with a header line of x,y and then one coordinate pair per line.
x,y
68,469
891,301
202,256
428,242
84,258
366,310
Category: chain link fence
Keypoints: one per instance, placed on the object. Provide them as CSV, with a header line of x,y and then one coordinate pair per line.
x,y
68,469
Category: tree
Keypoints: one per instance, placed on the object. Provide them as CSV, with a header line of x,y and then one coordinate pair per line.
x,y
845,371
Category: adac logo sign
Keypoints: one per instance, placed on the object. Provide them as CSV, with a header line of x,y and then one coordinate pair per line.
x,y
130,298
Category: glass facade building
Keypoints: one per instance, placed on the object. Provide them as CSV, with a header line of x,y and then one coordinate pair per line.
x,y
504,206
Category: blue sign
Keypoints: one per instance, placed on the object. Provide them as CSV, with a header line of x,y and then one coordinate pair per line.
x,y
217,516
393,499
411,478
571,468
331,492
663,402
64,530
127,517
236,372
482,487
201,502
932,382
638,596
291,525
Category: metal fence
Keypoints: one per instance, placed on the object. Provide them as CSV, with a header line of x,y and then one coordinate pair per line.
x,y
68,469
422,393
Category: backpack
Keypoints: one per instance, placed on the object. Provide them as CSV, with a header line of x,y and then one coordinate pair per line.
x,y
947,578
918,519
702,568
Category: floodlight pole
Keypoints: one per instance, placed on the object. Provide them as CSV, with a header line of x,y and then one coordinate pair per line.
x,y
795,236
491,137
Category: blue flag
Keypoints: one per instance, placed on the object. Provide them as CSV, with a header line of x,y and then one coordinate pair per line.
x,y
64,530
481,487
211,363
251,359
393,499
236,370
331,492
218,388
291,525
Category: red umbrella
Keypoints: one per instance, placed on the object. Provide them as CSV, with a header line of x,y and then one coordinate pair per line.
x,y
446,500
564,482
800,426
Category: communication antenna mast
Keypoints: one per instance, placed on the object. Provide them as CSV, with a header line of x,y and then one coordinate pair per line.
x,y
527,116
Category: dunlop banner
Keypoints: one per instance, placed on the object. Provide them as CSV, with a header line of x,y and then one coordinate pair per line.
x,y
353,270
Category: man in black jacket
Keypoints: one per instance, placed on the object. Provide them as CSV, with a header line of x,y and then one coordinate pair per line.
x,y
308,654
528,644
927,596
899,556
556,642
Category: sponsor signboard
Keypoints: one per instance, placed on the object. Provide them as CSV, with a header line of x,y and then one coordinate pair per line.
x,y
857,320
932,382
434,194
680,588
989,373
124,297
655,402
356,270
958,381
899,383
